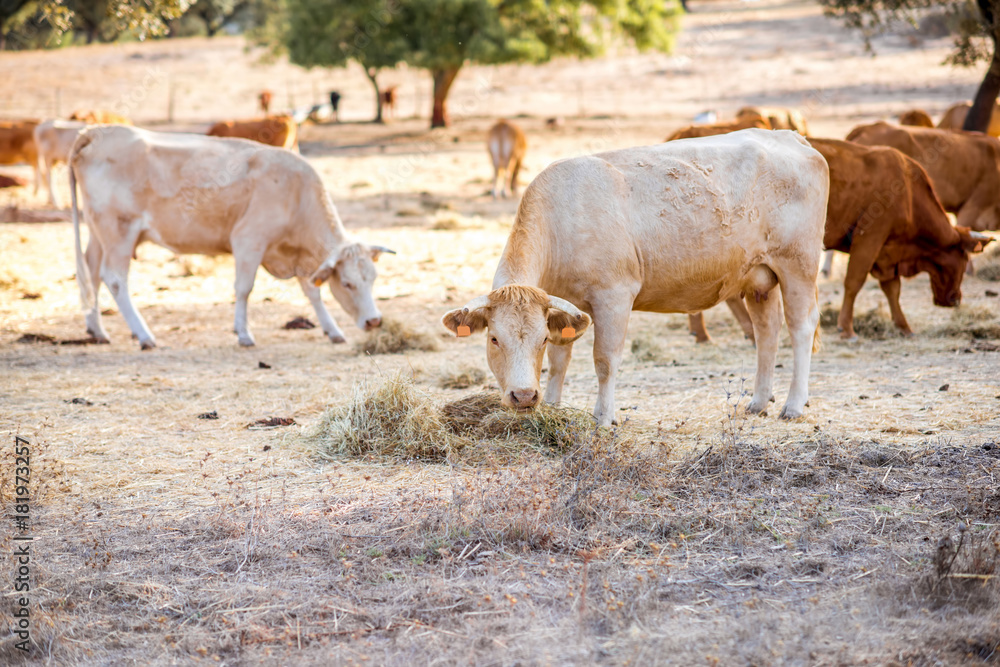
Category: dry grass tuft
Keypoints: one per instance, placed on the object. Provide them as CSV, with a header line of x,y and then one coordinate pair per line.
x,y
394,337
461,377
647,348
828,317
875,324
390,419
446,224
970,321
988,266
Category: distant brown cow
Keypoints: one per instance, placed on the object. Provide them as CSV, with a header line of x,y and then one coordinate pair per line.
x,y
916,118
693,131
12,181
17,144
779,118
507,145
265,101
388,97
964,167
280,131
954,118
883,211
100,116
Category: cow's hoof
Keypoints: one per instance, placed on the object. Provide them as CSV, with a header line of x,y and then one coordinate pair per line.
x,y
755,409
247,341
148,345
789,413
825,274
336,339
906,334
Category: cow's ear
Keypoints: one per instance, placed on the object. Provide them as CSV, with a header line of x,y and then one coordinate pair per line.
x,y
470,319
567,323
377,250
324,272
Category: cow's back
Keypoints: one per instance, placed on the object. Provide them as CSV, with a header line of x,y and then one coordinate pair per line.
x,y
684,217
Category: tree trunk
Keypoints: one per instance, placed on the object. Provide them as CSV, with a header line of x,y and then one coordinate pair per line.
x,y
3,36
978,118
372,75
443,78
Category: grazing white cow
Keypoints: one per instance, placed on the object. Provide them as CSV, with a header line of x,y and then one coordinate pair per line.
x,y
54,140
195,194
676,227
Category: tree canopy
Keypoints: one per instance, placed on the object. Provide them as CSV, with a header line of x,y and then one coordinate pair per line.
x,y
974,25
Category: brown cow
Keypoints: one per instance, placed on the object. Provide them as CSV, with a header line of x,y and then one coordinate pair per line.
x,y
17,144
916,118
388,97
265,98
280,131
883,211
954,118
100,117
779,118
964,167
12,181
507,144
694,131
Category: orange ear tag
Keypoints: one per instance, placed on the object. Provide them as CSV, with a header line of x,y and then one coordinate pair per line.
x,y
568,332
463,331
978,248
318,282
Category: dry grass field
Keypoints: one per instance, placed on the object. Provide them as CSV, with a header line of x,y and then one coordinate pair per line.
x,y
403,519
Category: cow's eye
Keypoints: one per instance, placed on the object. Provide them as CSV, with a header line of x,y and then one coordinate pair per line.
x,y
493,339
349,286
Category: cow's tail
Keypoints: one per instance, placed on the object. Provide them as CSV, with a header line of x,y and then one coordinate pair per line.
x,y
817,343
83,278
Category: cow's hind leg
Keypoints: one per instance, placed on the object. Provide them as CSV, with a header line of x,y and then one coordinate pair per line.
x,y
802,317
93,257
696,325
559,356
765,313
114,273
611,315
247,262
326,321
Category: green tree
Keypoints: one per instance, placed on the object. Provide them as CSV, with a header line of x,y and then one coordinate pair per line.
x,y
441,36
215,13
329,33
9,9
975,26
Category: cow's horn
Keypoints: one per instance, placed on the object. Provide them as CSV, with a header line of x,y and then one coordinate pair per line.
x,y
476,304
565,306
979,236
382,248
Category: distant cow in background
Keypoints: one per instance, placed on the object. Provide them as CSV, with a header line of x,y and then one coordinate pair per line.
x,y
916,118
265,98
193,194
388,97
695,131
779,118
507,145
17,144
100,116
954,118
12,181
54,141
335,97
280,131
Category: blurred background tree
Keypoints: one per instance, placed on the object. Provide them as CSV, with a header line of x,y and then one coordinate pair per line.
x,y
974,25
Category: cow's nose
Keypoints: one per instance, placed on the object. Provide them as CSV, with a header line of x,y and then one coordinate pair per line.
x,y
373,323
524,398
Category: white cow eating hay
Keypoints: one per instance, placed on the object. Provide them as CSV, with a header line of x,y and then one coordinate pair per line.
x,y
193,194
54,140
676,227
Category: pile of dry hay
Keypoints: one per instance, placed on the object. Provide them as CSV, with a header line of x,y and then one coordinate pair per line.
x,y
394,337
988,266
873,325
970,321
394,419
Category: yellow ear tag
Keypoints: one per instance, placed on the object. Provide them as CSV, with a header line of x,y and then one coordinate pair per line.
x,y
568,332
318,282
463,331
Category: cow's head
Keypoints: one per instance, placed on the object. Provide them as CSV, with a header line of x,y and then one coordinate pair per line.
x,y
350,270
520,321
946,266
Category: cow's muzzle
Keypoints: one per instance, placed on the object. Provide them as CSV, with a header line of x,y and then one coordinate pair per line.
x,y
523,400
373,323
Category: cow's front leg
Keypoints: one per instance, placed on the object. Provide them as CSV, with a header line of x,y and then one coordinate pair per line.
x,y
559,356
891,289
765,313
247,262
611,315
114,273
326,321
827,263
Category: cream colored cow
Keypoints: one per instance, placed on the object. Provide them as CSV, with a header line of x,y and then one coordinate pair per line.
x,y
54,140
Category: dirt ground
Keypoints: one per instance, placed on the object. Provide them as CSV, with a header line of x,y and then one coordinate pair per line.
x,y
863,533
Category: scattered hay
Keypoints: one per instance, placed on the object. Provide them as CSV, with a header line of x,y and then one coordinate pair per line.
x,y
446,224
461,377
828,317
269,423
389,419
299,323
37,338
875,324
988,266
646,348
970,321
394,337
409,213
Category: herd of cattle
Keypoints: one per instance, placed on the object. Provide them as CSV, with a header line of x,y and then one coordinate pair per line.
x,y
721,212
